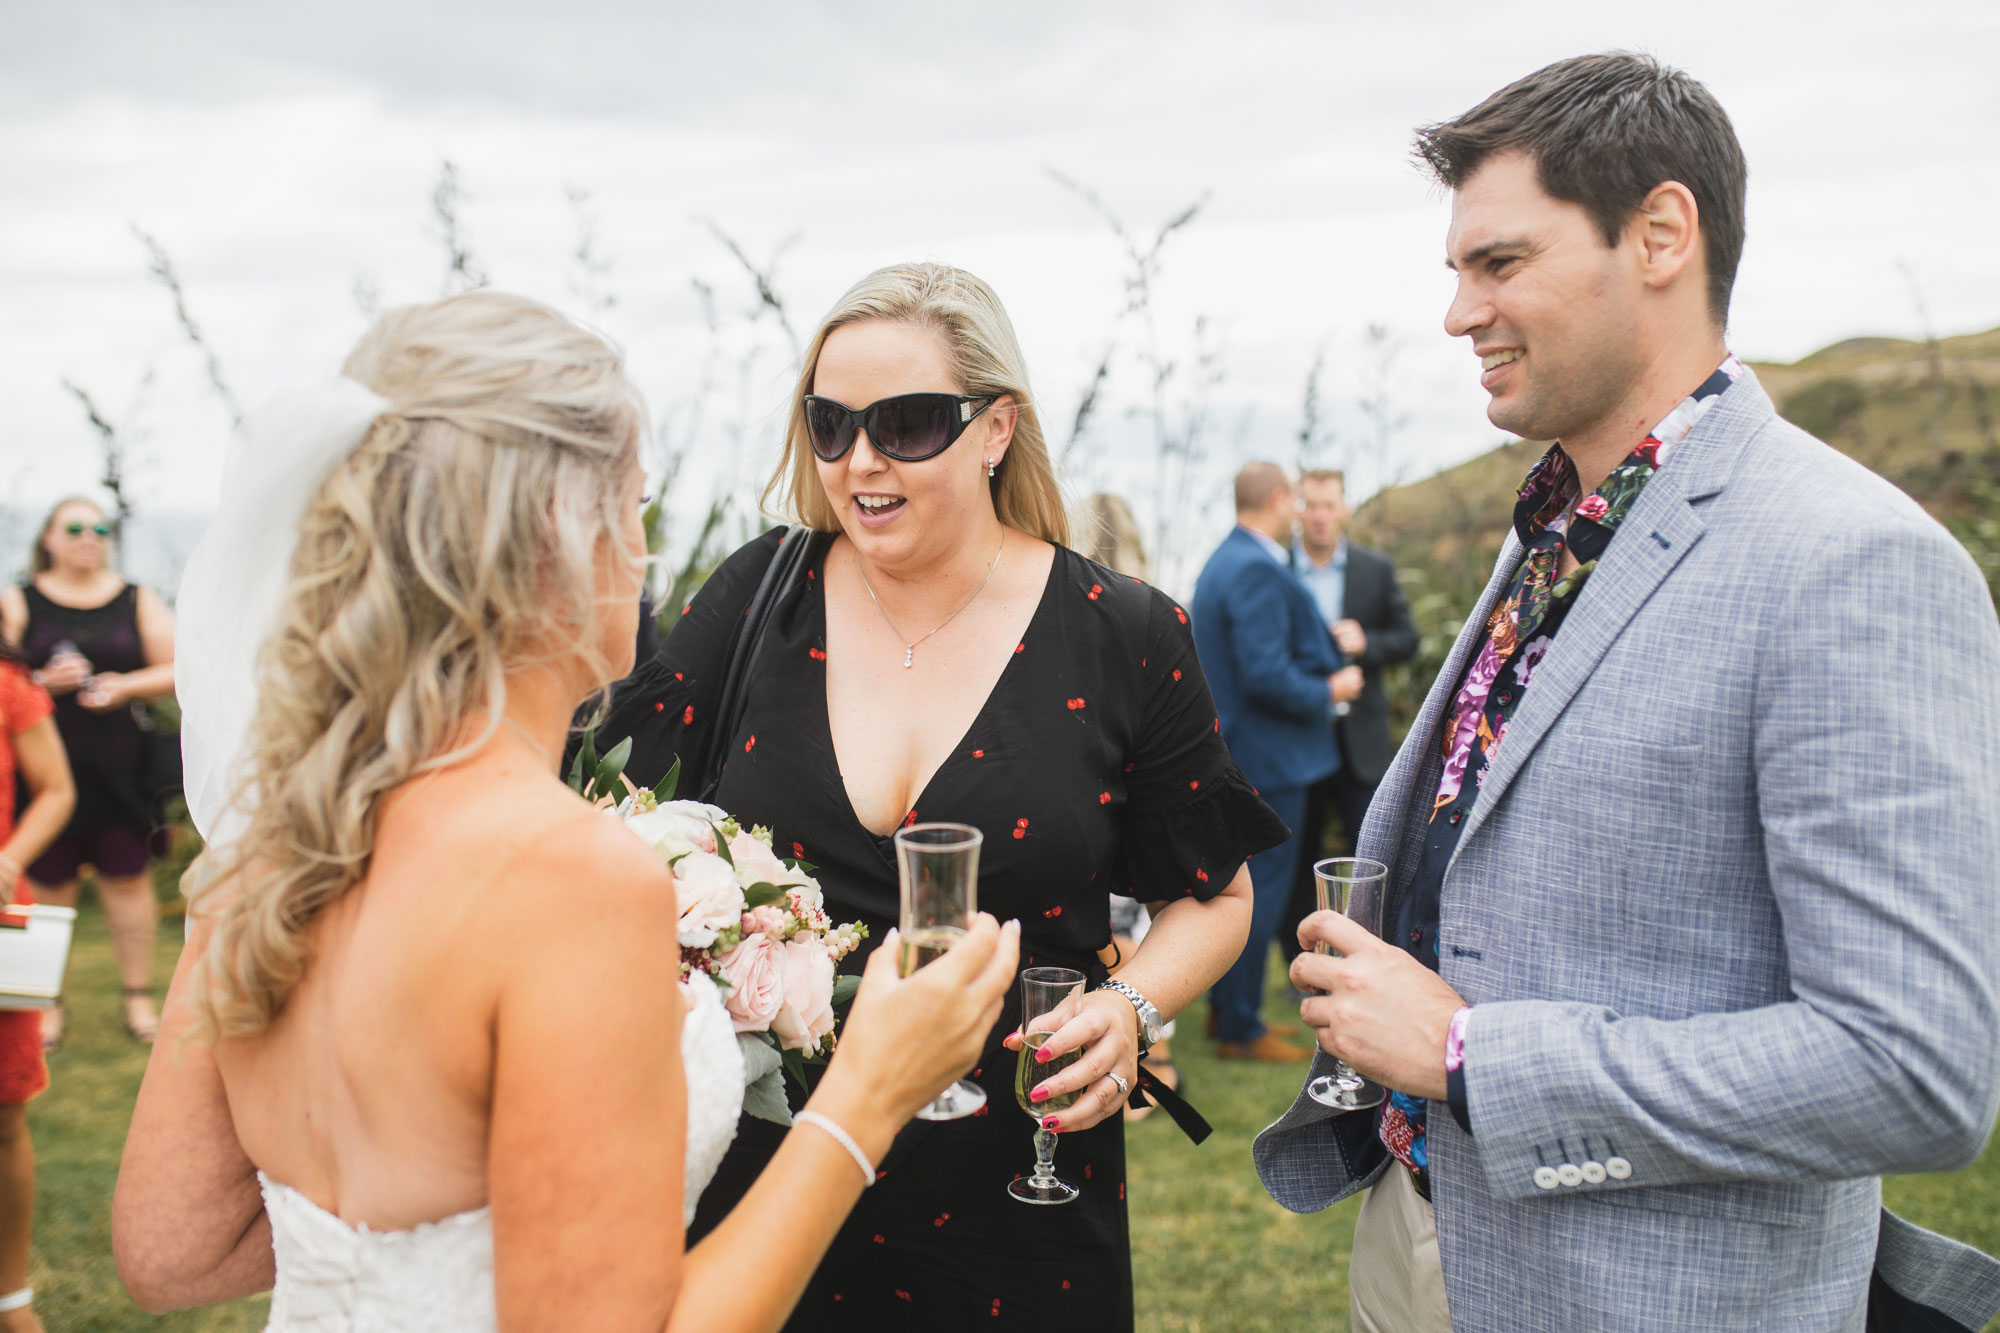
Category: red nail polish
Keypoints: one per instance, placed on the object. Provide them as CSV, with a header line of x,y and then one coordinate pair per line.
x,y
1053,1122
1042,1056
1039,1095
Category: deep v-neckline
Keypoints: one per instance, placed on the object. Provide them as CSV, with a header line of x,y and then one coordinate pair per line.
x,y
882,840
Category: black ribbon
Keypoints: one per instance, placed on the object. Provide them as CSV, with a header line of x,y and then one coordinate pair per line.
x,y
1177,1107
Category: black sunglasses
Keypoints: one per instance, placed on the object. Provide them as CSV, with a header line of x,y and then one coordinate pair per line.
x,y
908,428
78,529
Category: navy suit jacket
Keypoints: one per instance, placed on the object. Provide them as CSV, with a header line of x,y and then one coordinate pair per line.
x,y
1267,656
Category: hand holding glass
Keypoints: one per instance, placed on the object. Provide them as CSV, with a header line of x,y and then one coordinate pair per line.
x,y
938,868
1353,887
1050,997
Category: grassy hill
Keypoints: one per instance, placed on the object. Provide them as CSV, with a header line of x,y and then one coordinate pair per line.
x,y
1926,415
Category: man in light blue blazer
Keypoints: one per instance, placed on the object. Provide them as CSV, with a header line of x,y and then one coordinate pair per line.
x,y
1276,678
1692,924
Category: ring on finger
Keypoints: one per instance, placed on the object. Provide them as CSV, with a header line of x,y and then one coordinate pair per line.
x,y
1124,1088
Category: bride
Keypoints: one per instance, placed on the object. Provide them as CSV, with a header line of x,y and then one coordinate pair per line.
x,y
371,1089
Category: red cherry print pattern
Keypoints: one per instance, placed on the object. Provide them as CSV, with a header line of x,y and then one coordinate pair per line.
x,y
689,607
1086,1171
979,754
1020,647
1066,1280
798,851
1020,828
909,819
679,676
1053,912
750,745
1074,704
1218,726
687,716
1104,798
816,654
996,1307
660,707
1130,767
810,575
903,1294
1201,875
878,1239
1182,614
1177,673
1195,785
1095,589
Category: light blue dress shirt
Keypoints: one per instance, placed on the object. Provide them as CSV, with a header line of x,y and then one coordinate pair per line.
x,y
1327,583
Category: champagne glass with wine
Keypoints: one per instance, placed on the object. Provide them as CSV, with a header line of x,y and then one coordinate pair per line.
x,y
1050,997
938,867
1353,887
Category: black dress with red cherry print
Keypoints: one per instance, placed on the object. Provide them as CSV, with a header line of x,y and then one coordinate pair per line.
x,y
1096,766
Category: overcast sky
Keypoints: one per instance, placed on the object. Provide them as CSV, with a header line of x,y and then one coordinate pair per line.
x,y
284,153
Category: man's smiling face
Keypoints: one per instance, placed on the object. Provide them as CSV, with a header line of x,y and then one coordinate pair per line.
x,y
1552,311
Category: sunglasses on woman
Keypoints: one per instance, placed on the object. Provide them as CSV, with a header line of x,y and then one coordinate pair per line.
x,y
908,428
78,529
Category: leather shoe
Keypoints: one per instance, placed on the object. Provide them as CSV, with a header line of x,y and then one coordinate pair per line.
x,y
1269,1048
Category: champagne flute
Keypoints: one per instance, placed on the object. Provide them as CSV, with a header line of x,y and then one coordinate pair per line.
x,y
1353,887
938,866
1050,997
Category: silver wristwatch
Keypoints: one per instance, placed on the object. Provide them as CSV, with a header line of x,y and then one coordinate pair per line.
x,y
1151,1026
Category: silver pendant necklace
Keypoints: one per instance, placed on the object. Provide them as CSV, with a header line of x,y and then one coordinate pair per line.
x,y
910,649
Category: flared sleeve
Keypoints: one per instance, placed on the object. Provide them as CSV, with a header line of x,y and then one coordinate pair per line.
x,y
1191,818
668,703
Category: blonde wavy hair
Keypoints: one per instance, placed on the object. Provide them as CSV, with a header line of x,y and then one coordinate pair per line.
x,y
462,539
984,358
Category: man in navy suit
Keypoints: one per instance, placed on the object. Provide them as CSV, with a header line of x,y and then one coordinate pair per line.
x,y
1276,679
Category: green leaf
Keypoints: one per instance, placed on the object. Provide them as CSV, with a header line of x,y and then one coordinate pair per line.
x,y
722,848
763,895
795,1065
589,753
606,781
576,774
844,988
669,784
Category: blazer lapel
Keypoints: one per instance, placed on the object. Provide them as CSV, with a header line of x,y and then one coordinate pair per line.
x,y
1660,530
1387,822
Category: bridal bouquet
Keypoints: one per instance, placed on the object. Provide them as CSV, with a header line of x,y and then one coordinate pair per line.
x,y
751,920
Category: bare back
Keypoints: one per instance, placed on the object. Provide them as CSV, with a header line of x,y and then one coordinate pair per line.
x,y
371,1093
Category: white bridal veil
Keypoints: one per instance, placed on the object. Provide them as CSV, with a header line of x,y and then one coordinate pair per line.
x,y
230,590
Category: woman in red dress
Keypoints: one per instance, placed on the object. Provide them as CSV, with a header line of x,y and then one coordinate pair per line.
x,y
30,747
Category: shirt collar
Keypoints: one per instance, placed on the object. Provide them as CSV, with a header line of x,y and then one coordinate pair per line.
x,y
1548,498
1271,547
1305,561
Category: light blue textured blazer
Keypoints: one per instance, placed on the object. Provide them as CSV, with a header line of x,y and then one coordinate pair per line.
x,y
1727,910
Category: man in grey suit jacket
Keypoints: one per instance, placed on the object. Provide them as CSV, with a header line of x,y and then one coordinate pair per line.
x,y
1691,910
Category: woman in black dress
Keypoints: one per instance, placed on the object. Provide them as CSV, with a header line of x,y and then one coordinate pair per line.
x,y
105,649
943,656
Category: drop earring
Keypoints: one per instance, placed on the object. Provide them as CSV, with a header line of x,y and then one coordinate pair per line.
x,y
989,467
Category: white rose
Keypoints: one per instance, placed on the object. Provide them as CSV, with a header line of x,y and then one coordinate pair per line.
x,y
757,864
676,828
710,898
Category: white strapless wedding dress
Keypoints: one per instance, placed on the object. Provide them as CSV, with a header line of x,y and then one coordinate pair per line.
x,y
438,1277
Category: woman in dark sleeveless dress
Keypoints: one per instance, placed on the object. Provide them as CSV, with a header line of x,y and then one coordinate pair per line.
x,y
104,648
943,656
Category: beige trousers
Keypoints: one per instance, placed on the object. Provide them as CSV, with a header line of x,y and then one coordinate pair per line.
x,y
1395,1283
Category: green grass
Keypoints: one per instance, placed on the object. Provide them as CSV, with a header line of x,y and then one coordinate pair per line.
x,y
1211,1251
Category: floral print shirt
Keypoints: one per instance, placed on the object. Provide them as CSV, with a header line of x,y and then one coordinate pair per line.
x,y
1549,519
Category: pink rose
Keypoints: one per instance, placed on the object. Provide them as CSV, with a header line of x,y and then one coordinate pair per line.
x,y
710,899
1593,508
806,1015
755,971
765,920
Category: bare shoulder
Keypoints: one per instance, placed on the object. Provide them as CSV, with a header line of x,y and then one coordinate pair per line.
x,y
574,871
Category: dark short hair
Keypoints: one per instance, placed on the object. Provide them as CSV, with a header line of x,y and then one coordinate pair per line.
x,y
1604,130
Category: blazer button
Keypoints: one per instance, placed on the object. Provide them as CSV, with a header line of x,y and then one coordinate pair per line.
x,y
1569,1174
1594,1172
1545,1178
1617,1168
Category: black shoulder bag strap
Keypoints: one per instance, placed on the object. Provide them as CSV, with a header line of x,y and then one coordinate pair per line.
x,y
793,555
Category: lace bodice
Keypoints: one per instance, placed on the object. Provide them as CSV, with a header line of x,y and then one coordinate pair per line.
x,y
438,1277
